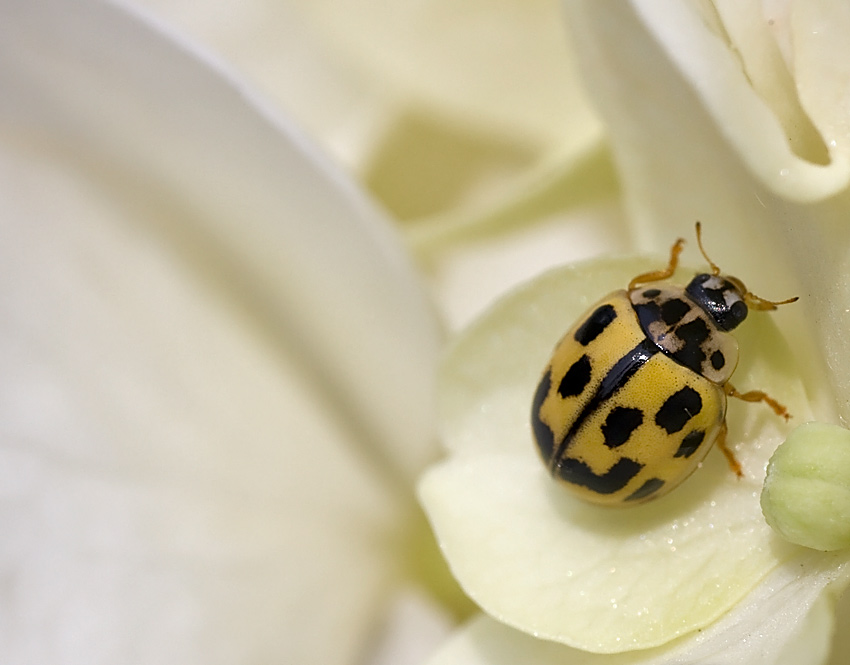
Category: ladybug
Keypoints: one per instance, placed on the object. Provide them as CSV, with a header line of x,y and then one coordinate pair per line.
x,y
634,395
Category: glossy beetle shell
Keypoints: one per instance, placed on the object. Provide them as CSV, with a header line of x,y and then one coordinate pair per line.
x,y
632,399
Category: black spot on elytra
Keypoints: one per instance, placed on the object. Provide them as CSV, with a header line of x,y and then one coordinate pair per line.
x,y
678,409
690,443
595,324
616,377
542,432
693,332
673,310
691,357
620,424
692,335
651,486
576,378
718,359
652,293
578,473
647,313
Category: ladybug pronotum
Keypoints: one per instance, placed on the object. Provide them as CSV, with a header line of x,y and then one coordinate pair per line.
x,y
634,395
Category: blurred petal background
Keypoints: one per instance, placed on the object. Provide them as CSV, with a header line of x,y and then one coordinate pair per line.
x,y
467,121
217,363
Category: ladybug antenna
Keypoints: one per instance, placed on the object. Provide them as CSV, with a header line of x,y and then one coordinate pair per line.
x,y
756,302
752,300
715,270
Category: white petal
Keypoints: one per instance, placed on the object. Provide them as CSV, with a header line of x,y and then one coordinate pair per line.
x,y
503,65
788,619
821,67
243,189
282,50
669,39
756,33
439,107
470,271
215,361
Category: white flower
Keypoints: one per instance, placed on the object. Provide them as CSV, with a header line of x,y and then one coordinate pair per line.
x,y
217,362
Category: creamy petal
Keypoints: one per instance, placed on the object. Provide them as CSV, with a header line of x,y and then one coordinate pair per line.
x,y
793,164
246,191
787,619
282,49
502,64
215,361
441,108
821,65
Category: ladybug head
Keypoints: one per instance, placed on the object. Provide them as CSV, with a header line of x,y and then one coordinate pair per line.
x,y
723,299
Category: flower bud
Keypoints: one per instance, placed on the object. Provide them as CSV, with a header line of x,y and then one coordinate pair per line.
x,y
806,495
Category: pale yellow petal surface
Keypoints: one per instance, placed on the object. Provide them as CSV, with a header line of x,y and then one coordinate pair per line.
x,y
795,56
536,558
821,66
438,106
788,619
259,198
190,471
758,35
750,115
502,63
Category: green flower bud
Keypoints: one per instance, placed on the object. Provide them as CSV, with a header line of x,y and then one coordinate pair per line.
x,y
806,495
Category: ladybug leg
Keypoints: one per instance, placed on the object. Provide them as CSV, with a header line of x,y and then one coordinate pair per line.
x,y
734,465
656,275
758,396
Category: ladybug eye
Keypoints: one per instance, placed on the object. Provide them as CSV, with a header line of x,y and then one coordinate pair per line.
x,y
737,313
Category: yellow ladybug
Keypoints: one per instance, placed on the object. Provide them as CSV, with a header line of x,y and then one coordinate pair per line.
x,y
635,393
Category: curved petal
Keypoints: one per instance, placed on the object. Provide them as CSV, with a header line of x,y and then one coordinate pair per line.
x,y
496,65
787,619
603,580
282,50
472,262
820,64
443,109
672,41
216,362
304,239
757,33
